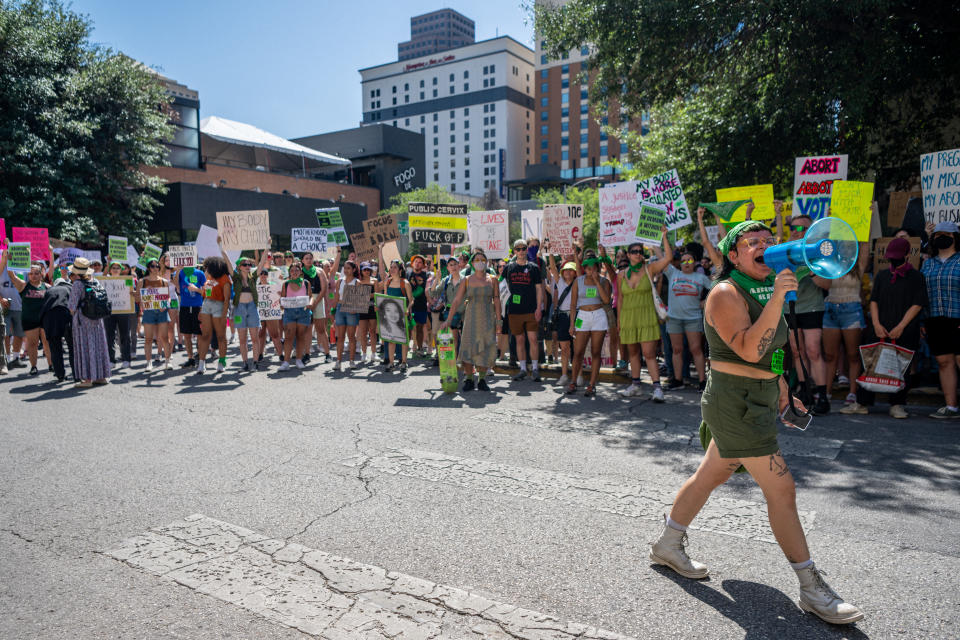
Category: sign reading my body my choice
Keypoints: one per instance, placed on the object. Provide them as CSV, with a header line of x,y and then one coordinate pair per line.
x,y
241,230
434,223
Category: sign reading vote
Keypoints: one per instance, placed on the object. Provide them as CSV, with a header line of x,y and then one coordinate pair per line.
x,y
940,181
664,190
434,223
562,226
813,180
241,230
308,240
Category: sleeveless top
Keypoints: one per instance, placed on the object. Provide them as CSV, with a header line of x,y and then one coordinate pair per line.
x,y
293,291
720,351
845,289
582,298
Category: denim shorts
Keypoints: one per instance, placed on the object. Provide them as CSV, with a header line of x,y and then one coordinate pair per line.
x,y
342,319
675,325
299,315
843,315
155,316
213,308
246,316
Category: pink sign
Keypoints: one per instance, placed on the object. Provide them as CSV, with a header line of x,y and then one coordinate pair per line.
x,y
39,239
3,234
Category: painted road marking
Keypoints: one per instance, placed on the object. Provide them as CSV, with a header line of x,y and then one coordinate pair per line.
x,y
728,516
328,596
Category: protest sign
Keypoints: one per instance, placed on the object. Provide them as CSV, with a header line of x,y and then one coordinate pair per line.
x,y
490,231
182,255
365,250
392,318
851,203
355,298
940,181
308,240
562,226
813,179
207,242
650,223
19,257
155,298
3,234
241,230
91,255
294,302
133,258
897,208
713,233
880,248
68,255
150,252
664,190
433,223
531,223
382,229
331,220
268,301
391,252
120,291
762,196
117,248
619,210
39,239
606,360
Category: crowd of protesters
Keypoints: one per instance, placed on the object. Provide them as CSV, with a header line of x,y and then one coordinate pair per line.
x,y
641,307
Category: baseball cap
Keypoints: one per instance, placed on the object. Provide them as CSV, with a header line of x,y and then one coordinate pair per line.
x,y
947,226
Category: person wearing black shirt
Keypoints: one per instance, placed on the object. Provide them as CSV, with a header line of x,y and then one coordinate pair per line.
x,y
56,320
421,317
524,307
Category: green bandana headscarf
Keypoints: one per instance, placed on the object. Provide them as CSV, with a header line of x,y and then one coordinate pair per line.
x,y
727,243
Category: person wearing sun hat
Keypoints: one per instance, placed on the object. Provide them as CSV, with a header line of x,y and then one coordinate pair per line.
x,y
91,356
560,314
745,393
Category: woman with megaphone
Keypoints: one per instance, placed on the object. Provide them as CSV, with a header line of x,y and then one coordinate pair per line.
x,y
745,392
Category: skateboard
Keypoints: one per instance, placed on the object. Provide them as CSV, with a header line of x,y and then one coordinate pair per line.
x,y
447,355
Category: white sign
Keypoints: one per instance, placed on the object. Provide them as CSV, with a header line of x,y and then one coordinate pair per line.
x,y
940,181
91,255
132,257
294,302
490,231
120,292
713,234
664,190
619,210
182,256
562,226
268,301
531,223
813,179
207,246
308,240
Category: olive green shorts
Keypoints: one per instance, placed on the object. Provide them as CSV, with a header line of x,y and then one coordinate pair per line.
x,y
741,414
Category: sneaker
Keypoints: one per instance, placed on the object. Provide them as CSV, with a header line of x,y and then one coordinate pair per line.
x,y
854,408
387,367
3,369
337,366
201,367
149,368
192,362
306,358
899,411
284,366
580,380
658,394
403,367
674,384
590,391
354,364
851,398
168,366
563,381
482,385
536,375
254,366
15,363
945,413
670,550
818,598
843,381
632,391
220,366
33,371
300,364
821,406
326,358
468,384
571,389
520,376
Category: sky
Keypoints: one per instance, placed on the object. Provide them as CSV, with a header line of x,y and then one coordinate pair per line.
x,y
287,67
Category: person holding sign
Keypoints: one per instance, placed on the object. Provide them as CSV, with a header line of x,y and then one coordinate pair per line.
x,y
589,293
639,326
30,293
942,273
745,393
688,289
118,324
318,287
367,326
480,295
269,328
213,313
154,298
173,327
345,319
191,282
296,300
397,286
246,317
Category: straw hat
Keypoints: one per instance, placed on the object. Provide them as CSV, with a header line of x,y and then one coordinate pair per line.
x,y
80,267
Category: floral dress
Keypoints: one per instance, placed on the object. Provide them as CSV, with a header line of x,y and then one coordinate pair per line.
x,y
478,340
92,359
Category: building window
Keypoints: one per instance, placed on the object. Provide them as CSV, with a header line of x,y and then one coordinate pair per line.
x,y
436,141
584,94
453,175
466,136
486,120
543,144
564,112
421,131
466,173
564,126
492,68
565,68
564,98
544,129
434,81
544,115
435,129
493,133
453,138
436,177
466,86
372,93
453,126
394,101
436,154
406,99
544,87
623,148
451,90
543,60
544,102
564,141
583,138
493,81
603,149
436,165
434,93
406,86
394,88
453,151
466,111
543,157
421,95
466,74
466,186
466,149
584,108
435,116
421,84
485,69
423,119
486,83
466,124
451,77
453,186
453,162
406,122
584,50
565,83
583,123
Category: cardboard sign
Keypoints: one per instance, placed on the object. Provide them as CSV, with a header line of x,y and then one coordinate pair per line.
x,y
150,252
392,318
155,298
19,256
355,298
382,229
490,231
562,226
39,239
331,220
241,230
880,262
268,301
391,252
117,248
940,181
3,234
365,250
120,291
433,223
531,223
813,179
897,208
182,255
650,223
619,211
664,190
851,203
762,196
308,240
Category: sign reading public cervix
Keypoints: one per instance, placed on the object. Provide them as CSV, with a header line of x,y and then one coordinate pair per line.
x,y
435,223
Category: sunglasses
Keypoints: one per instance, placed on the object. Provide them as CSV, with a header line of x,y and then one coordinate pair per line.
x,y
686,262
635,252
799,228
753,243
524,248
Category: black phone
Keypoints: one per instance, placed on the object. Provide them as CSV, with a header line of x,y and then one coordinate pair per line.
x,y
792,418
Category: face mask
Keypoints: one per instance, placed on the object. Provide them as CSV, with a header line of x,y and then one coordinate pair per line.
x,y
479,267
943,242
532,252
896,262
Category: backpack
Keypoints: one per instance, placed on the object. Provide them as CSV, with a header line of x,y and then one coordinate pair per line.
x,y
96,304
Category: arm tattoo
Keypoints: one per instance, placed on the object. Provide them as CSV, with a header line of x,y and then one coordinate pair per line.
x,y
778,465
765,340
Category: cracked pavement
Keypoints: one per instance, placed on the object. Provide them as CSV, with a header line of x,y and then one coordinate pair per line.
x,y
526,498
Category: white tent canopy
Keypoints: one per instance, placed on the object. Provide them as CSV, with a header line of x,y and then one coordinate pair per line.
x,y
231,132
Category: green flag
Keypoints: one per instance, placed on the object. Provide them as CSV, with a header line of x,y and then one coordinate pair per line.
x,y
724,210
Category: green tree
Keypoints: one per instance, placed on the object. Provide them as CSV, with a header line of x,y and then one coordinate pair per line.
x,y
736,89
587,196
77,121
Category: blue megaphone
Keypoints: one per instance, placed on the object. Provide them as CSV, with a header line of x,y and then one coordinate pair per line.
x,y
829,249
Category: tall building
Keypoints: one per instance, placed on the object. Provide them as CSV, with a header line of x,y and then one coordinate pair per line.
x,y
184,149
435,32
474,106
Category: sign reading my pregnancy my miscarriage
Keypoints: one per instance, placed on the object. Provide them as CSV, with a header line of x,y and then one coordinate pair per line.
x,y
813,179
940,181
241,230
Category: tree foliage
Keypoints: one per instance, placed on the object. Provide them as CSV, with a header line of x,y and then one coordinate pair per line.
x,y
737,89
433,192
76,123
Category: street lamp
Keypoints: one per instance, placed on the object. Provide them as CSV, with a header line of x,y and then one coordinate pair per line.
x,y
585,180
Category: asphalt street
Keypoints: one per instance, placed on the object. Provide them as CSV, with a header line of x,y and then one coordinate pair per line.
x,y
371,505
